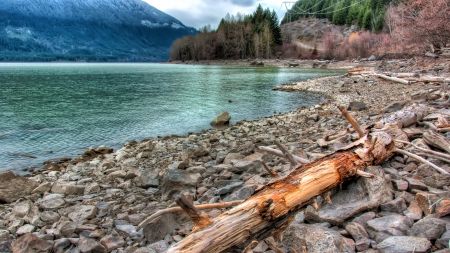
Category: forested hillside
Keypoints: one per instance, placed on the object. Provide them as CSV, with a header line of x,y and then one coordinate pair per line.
x,y
237,37
366,14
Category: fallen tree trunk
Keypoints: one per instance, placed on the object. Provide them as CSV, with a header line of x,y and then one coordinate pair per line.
x,y
270,210
393,79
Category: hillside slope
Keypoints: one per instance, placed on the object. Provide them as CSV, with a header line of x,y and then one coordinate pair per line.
x,y
93,30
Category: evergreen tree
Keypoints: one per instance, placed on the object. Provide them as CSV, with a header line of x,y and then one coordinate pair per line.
x,y
276,29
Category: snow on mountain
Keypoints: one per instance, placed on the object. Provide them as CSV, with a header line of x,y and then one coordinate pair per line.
x,y
94,29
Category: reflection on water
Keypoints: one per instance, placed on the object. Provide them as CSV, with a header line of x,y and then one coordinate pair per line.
x,y
59,110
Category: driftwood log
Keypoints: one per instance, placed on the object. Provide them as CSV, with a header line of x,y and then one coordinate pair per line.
x,y
273,207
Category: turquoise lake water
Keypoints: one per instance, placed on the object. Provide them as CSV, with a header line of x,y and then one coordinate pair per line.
x,y
54,110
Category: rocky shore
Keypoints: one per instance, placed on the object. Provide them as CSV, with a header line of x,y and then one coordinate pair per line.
x,y
95,202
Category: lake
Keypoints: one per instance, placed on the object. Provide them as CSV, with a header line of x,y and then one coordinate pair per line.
x,y
54,110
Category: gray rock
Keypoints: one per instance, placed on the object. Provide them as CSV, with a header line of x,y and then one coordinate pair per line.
x,y
372,58
231,157
391,225
393,107
83,212
229,188
112,242
241,194
25,229
196,169
60,187
420,95
30,243
357,231
437,181
147,179
60,244
75,189
129,230
430,228
221,119
14,187
404,244
413,212
21,209
50,217
415,184
4,235
315,239
178,180
194,152
356,106
397,205
252,167
43,188
143,250
364,218
52,202
166,224
159,247
444,240
90,245
91,188
220,157
358,196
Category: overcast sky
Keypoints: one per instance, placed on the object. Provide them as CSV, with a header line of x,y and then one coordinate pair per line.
x,y
198,13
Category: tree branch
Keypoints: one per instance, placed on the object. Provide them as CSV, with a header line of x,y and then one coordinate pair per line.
x,y
422,160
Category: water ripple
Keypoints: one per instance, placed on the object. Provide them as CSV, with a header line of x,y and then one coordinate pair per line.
x,y
66,108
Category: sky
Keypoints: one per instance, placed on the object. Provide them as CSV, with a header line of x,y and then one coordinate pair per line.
x,y
198,13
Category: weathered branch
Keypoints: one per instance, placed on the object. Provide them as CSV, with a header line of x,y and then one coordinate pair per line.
x,y
352,121
271,172
420,159
178,209
438,154
201,220
288,155
280,154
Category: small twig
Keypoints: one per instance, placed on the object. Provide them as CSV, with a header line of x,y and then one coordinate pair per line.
x,y
178,209
352,121
443,130
434,156
420,159
425,150
428,124
250,247
271,172
288,155
315,205
364,174
432,205
371,148
273,247
280,154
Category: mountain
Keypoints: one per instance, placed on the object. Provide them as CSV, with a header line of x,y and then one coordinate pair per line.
x,y
92,30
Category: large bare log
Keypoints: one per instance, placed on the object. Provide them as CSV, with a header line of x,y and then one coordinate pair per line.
x,y
270,210
273,207
393,79
406,117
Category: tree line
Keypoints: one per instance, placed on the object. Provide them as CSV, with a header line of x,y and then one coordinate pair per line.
x,y
366,14
257,35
